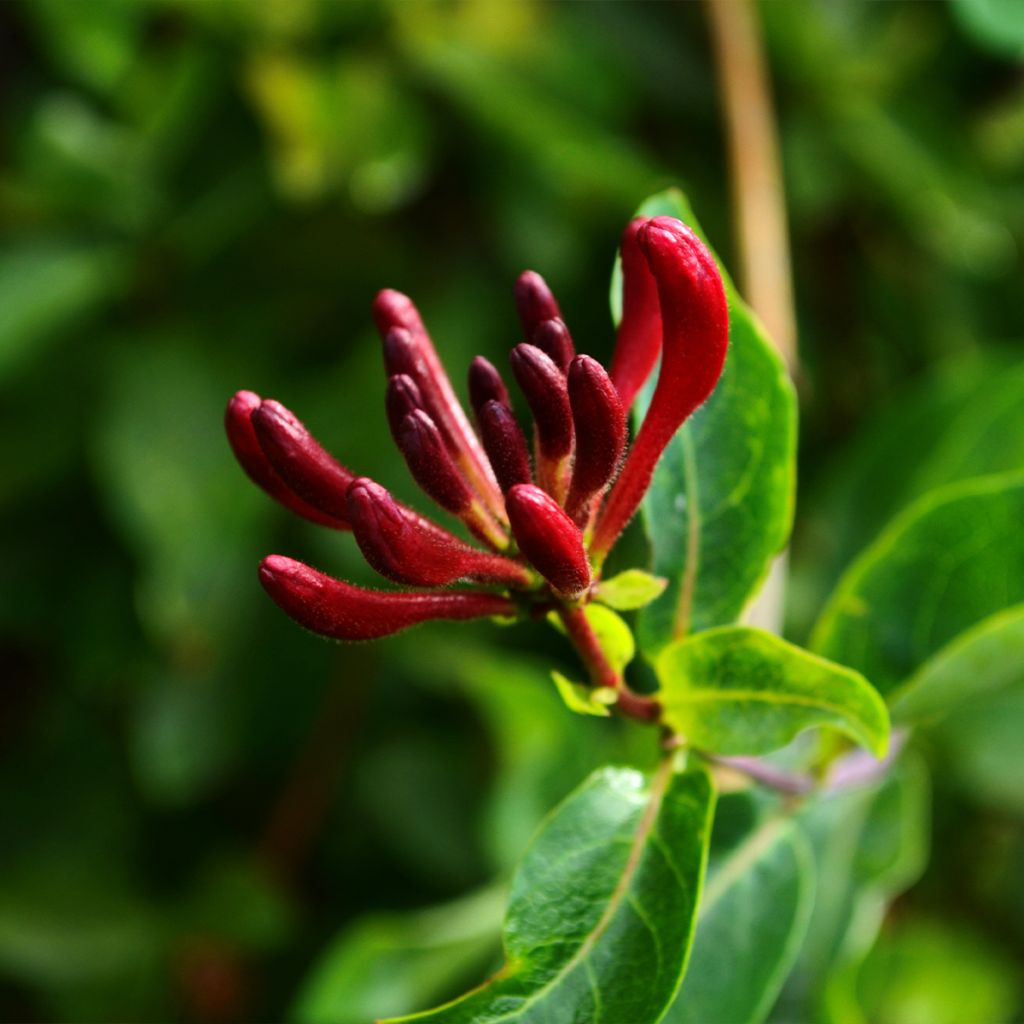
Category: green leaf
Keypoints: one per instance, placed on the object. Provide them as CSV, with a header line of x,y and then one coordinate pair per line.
x,y
602,909
998,25
739,690
614,636
953,558
630,590
721,502
584,700
392,963
979,663
756,905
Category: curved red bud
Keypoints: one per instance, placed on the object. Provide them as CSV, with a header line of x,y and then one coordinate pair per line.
x,y
600,432
485,385
316,476
505,445
403,546
344,612
253,459
552,337
695,319
403,397
544,386
550,540
431,464
534,301
639,337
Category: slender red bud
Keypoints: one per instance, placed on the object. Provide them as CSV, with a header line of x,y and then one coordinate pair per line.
x,y
553,338
695,319
549,539
639,337
534,301
600,423
403,546
403,397
300,460
252,458
431,464
544,386
485,385
344,612
505,444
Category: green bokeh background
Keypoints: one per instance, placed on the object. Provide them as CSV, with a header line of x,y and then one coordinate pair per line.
x,y
200,196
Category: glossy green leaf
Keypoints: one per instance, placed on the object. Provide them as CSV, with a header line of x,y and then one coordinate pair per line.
x,y
739,690
602,909
979,663
630,590
753,916
584,700
721,502
953,558
393,963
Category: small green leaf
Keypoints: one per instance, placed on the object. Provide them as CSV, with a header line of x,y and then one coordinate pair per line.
x,y
979,663
721,502
629,590
583,700
738,690
753,917
614,636
602,909
949,561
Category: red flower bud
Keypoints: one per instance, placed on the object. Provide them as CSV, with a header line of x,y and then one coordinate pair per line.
x,y
534,301
550,540
431,464
253,459
695,323
600,432
505,445
552,337
316,476
403,546
344,612
544,386
403,397
485,385
639,337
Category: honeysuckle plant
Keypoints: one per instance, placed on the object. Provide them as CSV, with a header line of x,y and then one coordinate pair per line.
x,y
686,892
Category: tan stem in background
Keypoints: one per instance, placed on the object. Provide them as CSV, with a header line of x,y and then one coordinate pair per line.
x,y
759,202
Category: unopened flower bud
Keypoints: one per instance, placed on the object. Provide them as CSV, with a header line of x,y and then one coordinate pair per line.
x,y
403,397
534,301
544,386
505,445
553,338
403,546
431,464
485,385
344,612
639,337
600,423
549,539
312,473
253,459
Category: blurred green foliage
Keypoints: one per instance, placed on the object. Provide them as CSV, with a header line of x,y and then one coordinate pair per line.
x,y
200,802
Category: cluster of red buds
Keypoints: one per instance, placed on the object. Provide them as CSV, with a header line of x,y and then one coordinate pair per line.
x,y
545,524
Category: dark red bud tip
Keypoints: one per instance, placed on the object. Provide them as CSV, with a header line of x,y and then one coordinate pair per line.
x,y
505,444
431,464
485,384
403,397
553,338
402,355
403,546
639,337
544,386
549,539
600,424
344,612
252,458
534,301
300,461
393,309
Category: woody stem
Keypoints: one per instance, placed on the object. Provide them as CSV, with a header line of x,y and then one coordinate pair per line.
x,y
602,672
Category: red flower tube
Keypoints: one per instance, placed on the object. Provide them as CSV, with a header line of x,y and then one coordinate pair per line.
x,y
534,301
505,445
344,612
553,338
